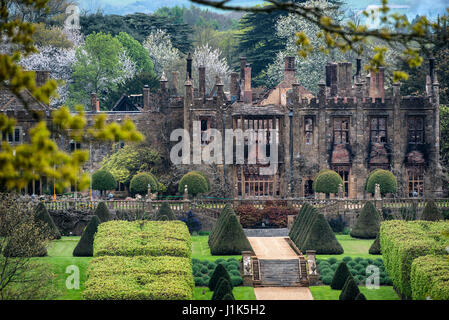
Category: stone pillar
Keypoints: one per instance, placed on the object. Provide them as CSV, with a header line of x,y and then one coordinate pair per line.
x,y
234,87
247,268
242,67
189,67
94,105
220,93
174,83
186,199
163,82
202,82
188,101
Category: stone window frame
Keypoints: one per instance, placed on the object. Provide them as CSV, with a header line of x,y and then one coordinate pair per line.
x,y
341,131
415,178
309,131
11,137
344,170
412,132
205,134
255,186
378,129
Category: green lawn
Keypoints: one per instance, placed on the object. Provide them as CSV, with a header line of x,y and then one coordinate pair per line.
x,y
240,293
326,293
59,258
353,248
201,251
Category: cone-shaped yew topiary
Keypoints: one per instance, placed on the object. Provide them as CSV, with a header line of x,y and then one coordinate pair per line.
x,y
431,212
228,296
224,287
321,238
341,275
350,290
230,239
165,212
102,212
42,216
85,247
219,273
375,247
222,217
368,223
360,296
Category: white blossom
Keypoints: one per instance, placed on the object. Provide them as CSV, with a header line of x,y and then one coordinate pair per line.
x,y
161,50
215,65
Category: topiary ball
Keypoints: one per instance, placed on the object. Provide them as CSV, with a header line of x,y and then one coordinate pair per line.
x,y
195,183
386,180
327,181
139,184
103,180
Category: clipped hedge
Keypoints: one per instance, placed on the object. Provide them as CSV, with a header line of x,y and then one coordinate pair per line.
x,y
327,181
367,224
429,277
402,242
139,278
386,180
154,238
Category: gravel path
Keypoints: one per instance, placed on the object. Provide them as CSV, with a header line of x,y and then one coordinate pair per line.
x,y
272,248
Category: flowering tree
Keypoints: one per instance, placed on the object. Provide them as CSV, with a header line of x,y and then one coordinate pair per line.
x,y
161,50
215,65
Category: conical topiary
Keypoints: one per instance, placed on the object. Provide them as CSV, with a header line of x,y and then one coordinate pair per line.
x,y
230,239
360,296
219,273
350,290
341,275
375,247
228,296
431,212
368,223
224,287
102,212
321,238
165,212
223,215
42,215
85,247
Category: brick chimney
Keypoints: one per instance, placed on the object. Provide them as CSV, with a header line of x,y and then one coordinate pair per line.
x,y
289,68
94,103
242,67
146,97
234,86
202,81
377,87
331,78
42,76
189,67
247,92
174,83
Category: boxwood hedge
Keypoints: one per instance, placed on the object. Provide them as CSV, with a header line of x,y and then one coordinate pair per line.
x,y
403,241
430,278
154,238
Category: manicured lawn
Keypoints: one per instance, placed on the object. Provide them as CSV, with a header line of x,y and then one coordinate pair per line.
x,y
353,248
59,258
326,293
201,251
240,293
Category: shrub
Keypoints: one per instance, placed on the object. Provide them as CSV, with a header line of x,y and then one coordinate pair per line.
x,y
350,290
230,238
227,210
205,178
327,280
219,272
236,280
228,296
103,180
85,247
327,181
41,215
375,247
139,278
332,260
386,180
196,183
224,288
249,215
341,275
347,259
429,277
368,223
192,223
150,238
276,216
198,281
402,242
337,224
431,212
139,184
360,296
102,212
165,212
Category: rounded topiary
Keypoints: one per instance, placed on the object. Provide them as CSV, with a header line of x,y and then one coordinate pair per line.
x,y
224,288
386,180
341,275
219,272
205,177
103,180
360,296
327,181
85,247
198,281
165,212
102,212
350,290
368,223
327,280
375,247
196,183
41,215
139,184
431,212
236,281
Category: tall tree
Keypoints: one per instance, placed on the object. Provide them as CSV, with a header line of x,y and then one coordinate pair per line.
x,y
136,52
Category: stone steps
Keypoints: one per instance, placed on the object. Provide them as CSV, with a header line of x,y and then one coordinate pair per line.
x,y
282,273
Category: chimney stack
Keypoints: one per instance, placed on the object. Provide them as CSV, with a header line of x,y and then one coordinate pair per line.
x,y
202,81
248,93
377,87
432,69
174,83
189,67
163,82
359,67
234,87
331,78
289,68
146,97
94,103
42,76
242,67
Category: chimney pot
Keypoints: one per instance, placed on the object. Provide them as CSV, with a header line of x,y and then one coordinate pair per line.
x,y
93,102
146,97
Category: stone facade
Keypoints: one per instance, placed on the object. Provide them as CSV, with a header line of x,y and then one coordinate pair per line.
x,y
351,126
